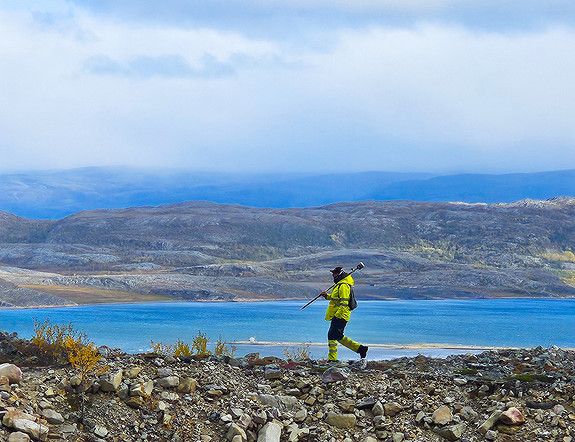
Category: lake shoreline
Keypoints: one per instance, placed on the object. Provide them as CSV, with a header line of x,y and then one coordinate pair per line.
x,y
249,301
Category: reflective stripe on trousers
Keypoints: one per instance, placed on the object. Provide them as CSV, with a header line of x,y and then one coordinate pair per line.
x,y
345,341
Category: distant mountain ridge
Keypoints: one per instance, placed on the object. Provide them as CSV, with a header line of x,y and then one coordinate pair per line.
x,y
215,252
56,194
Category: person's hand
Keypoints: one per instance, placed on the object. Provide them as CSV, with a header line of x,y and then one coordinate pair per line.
x,y
323,295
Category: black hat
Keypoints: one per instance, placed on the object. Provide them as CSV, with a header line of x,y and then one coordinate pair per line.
x,y
337,270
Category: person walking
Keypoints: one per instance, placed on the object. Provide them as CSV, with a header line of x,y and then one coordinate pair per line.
x,y
338,313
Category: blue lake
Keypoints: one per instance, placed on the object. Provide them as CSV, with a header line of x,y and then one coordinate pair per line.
x,y
483,323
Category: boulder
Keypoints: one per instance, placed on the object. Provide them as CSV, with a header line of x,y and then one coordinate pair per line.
x,y
33,429
451,433
135,401
365,404
111,381
169,382
391,408
187,385
334,374
272,372
100,431
270,432
169,396
281,402
512,416
341,420
12,372
469,414
378,409
234,431
300,415
131,373
442,416
11,415
143,389
18,436
53,417
489,423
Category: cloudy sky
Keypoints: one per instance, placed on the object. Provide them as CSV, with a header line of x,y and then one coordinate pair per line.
x,y
438,86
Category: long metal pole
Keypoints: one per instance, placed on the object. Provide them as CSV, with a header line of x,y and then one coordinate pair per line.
x,y
359,267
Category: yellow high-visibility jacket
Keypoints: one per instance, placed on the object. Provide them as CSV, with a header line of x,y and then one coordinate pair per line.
x,y
338,300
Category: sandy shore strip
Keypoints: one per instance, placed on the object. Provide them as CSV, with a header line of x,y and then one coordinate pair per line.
x,y
318,350
420,346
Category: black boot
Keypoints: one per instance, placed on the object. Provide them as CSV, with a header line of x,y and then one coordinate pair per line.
x,y
362,350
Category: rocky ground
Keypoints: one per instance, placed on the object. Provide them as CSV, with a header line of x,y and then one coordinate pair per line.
x,y
505,395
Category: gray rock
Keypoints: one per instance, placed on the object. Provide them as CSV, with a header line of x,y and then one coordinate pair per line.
x,y
341,420
52,417
491,435
164,372
101,431
12,372
451,433
392,408
169,382
300,415
378,409
469,414
282,402
365,404
143,389
271,372
489,423
131,373
442,415
334,374
18,436
123,391
187,385
270,432
419,417
33,429
111,381
236,431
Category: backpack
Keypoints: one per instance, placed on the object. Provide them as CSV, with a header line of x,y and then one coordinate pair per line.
x,y
352,303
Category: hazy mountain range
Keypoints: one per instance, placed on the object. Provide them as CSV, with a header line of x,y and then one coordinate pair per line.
x,y
55,194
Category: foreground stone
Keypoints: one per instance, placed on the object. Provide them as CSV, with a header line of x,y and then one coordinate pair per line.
x,y
12,372
270,432
341,420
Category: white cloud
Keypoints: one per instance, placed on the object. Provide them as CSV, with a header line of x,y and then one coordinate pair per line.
x,y
87,88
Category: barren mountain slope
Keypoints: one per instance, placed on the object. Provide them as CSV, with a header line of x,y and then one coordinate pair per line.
x,y
199,250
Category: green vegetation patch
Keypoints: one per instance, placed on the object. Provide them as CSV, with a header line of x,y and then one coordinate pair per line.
x,y
533,377
467,371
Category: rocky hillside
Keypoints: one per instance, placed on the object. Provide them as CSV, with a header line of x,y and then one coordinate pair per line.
x,y
206,251
506,395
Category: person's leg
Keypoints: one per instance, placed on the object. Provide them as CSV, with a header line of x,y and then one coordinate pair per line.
x,y
332,350
334,334
352,345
